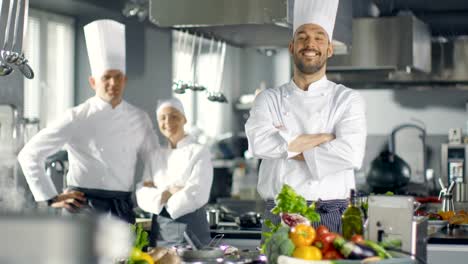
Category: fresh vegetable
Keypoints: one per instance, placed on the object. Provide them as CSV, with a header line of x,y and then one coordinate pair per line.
x,y
308,253
141,236
138,256
381,252
278,244
357,239
302,235
141,240
433,216
322,230
420,213
352,250
325,241
288,201
446,215
391,244
292,220
332,254
273,229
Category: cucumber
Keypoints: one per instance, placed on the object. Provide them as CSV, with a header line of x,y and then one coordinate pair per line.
x,y
381,252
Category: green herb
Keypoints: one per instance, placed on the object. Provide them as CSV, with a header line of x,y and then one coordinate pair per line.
x,y
141,240
288,201
141,236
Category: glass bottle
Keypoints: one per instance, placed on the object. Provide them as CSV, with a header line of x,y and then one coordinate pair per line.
x,y
352,219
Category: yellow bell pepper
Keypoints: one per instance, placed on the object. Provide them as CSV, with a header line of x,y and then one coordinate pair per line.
x,y
138,255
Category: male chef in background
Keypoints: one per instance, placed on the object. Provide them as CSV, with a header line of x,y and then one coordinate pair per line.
x,y
310,132
103,137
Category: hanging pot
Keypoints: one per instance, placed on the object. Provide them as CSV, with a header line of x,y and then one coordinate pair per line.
x,y
388,172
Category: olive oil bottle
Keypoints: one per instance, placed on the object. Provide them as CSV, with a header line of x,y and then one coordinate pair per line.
x,y
353,219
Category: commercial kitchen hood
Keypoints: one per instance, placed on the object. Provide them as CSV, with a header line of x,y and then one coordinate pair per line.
x,y
243,23
398,52
400,43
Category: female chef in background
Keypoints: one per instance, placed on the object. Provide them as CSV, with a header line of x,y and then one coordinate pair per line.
x,y
180,186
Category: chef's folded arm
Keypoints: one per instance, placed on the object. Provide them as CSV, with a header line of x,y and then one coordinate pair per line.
x,y
34,154
267,140
347,150
196,191
149,198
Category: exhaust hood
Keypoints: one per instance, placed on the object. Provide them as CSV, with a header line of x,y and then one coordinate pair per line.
x,y
398,52
400,43
243,23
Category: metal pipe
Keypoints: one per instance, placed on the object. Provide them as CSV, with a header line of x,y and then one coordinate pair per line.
x,y
391,143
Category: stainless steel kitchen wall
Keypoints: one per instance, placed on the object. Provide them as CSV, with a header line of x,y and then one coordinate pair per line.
x,y
11,90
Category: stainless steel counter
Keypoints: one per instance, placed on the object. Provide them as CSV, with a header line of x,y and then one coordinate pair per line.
x,y
452,236
236,232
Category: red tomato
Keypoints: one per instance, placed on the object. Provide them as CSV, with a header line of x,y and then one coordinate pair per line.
x,y
358,239
332,254
322,230
325,242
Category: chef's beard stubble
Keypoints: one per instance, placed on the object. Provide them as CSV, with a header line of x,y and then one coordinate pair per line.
x,y
310,69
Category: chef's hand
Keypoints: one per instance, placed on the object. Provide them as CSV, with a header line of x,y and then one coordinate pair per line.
x,y
299,157
169,192
174,189
70,200
149,184
165,197
307,141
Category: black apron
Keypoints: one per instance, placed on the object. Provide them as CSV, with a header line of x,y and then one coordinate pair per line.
x,y
166,231
117,203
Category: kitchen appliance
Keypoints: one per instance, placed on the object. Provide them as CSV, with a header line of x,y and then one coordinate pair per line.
x,y
244,23
447,196
391,219
454,169
249,220
389,172
213,216
455,136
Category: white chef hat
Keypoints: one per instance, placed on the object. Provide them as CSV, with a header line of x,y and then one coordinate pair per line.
x,y
172,102
105,41
320,12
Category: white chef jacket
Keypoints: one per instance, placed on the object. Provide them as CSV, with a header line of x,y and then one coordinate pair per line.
x,y
102,144
281,114
188,166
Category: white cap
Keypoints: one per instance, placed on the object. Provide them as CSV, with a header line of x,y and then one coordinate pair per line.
x,y
105,40
173,102
320,12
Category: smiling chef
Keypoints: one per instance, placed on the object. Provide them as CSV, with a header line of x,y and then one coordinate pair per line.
x,y
310,132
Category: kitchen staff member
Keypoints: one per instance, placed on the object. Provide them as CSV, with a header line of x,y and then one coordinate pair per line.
x,y
180,186
103,136
310,132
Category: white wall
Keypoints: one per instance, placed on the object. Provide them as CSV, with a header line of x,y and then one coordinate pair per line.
x,y
282,67
439,108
